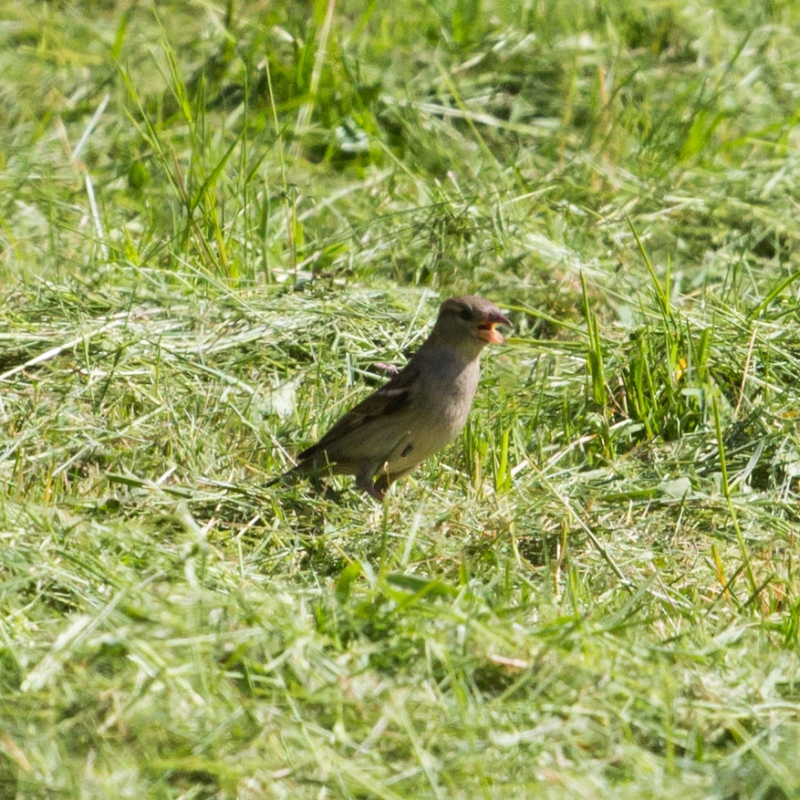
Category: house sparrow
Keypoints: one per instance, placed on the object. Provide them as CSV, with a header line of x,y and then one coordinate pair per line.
x,y
420,410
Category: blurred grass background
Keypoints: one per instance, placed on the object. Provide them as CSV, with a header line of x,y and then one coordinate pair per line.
x,y
217,218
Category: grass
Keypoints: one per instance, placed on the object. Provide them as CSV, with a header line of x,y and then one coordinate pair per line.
x,y
217,218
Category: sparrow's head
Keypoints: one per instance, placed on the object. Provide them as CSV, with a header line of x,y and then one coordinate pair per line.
x,y
470,321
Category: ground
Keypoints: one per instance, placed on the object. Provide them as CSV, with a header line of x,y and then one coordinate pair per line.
x,y
217,220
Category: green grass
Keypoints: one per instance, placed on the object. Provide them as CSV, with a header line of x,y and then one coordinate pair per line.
x,y
216,219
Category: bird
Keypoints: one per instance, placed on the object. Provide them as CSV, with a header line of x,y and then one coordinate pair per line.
x,y
422,408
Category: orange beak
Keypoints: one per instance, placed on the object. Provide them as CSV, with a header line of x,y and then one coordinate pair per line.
x,y
486,329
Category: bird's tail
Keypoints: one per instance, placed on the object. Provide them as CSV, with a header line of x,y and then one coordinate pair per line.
x,y
289,477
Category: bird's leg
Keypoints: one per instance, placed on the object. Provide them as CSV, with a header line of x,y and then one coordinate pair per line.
x,y
366,474
386,478
364,480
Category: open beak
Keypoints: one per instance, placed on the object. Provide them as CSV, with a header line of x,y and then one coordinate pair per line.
x,y
486,329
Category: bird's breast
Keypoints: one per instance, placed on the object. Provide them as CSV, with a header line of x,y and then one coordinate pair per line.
x,y
441,407
448,402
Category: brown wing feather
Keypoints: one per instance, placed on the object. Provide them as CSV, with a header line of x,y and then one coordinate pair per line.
x,y
391,398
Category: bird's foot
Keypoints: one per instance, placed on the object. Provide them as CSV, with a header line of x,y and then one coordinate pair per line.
x,y
374,492
365,482
377,494
366,485
390,369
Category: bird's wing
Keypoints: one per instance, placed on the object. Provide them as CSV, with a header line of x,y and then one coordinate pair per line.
x,y
392,398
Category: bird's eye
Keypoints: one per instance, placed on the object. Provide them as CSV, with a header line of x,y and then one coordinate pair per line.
x,y
465,314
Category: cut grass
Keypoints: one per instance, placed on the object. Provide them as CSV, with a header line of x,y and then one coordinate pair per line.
x,y
217,219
